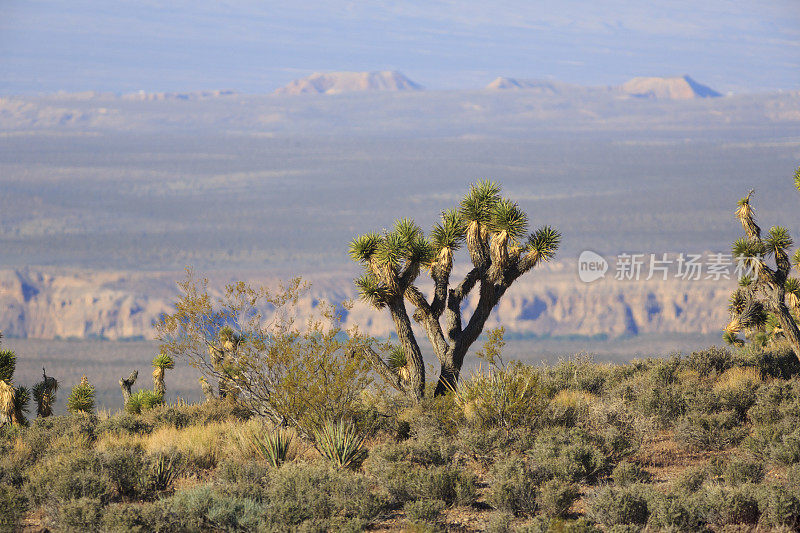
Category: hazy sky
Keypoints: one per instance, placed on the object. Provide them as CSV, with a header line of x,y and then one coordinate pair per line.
x,y
256,45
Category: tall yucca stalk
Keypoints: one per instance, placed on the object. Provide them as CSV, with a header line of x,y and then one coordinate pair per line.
x,y
44,394
161,363
341,443
7,403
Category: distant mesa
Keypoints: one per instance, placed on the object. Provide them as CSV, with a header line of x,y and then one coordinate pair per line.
x,y
543,86
349,82
677,88
143,96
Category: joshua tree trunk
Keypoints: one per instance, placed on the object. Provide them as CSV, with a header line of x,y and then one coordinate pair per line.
x,y
126,385
159,387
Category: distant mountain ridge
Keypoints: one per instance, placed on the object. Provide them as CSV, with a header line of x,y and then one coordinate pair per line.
x,y
347,82
51,303
676,88
662,88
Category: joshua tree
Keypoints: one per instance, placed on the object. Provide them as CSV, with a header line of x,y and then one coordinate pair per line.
x,y
126,384
81,399
493,228
161,364
44,393
208,390
13,401
223,354
764,300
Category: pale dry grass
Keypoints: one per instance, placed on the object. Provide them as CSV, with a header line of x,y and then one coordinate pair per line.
x,y
738,378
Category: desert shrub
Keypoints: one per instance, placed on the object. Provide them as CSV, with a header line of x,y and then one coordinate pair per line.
x,y
542,524
12,507
574,455
715,431
300,374
556,497
786,451
296,493
670,512
480,443
405,481
47,435
504,397
780,507
426,511
79,474
777,361
126,468
580,373
169,416
722,505
514,486
568,407
740,470
128,518
690,479
711,360
614,506
500,522
204,508
626,473
79,515
736,389
143,400
125,424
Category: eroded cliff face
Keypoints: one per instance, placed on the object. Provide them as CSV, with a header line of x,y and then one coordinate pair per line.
x,y
42,303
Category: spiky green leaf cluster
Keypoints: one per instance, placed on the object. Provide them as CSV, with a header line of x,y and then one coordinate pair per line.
x,y
753,316
21,399
44,394
363,247
143,400
748,250
397,358
508,217
81,399
732,339
545,242
272,445
371,290
341,443
777,240
792,286
163,361
797,178
477,206
772,325
450,232
737,302
8,363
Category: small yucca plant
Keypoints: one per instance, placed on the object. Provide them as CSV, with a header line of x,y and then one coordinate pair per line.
x,y
143,400
270,445
81,399
341,443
